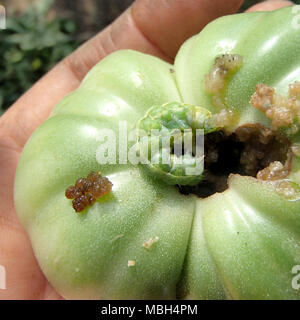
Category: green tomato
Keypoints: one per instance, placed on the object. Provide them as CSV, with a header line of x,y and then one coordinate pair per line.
x,y
241,244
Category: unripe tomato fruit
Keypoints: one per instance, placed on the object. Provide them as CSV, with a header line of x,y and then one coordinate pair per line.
x,y
145,239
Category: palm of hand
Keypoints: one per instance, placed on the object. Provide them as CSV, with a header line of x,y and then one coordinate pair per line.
x,y
24,278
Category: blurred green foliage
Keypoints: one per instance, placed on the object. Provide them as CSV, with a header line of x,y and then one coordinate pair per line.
x,y
33,42
30,46
249,3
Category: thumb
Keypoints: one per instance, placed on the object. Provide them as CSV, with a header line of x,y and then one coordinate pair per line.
x,y
167,24
156,27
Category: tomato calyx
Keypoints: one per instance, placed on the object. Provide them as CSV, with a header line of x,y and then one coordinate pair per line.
x,y
171,141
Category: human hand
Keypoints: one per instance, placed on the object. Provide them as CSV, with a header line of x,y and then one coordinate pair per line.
x,y
155,27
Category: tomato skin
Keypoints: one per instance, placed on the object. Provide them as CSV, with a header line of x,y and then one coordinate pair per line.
x,y
240,244
269,44
86,255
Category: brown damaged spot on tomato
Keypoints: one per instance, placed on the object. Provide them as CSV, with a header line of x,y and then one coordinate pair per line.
x,y
150,242
131,263
87,190
284,112
215,81
267,154
275,171
287,189
224,65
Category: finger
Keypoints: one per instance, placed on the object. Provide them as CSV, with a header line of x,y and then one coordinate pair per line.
x,y
270,5
156,27
180,20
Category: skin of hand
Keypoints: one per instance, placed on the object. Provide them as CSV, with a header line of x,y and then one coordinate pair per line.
x,y
151,26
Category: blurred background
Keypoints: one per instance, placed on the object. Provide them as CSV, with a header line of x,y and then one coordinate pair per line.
x,y
39,33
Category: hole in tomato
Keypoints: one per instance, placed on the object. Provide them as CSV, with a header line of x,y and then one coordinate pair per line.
x,y
251,150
